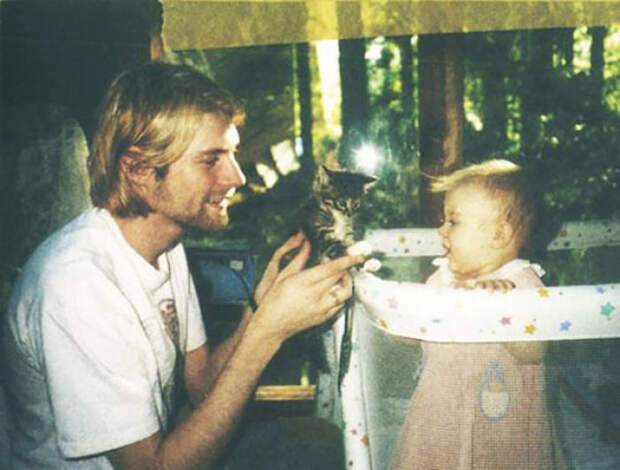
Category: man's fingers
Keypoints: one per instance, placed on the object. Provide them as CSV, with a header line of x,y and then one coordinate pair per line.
x,y
342,279
334,300
288,245
337,291
333,268
273,267
299,261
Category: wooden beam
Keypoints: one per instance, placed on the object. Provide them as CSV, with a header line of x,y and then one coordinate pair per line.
x,y
285,393
202,24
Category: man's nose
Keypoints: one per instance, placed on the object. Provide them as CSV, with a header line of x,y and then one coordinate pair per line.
x,y
233,175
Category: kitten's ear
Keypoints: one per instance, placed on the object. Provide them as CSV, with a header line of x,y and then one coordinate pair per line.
x,y
325,171
322,177
369,182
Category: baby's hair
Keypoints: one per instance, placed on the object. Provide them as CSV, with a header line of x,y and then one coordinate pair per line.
x,y
503,181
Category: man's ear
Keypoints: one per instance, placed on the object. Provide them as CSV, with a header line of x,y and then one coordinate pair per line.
x,y
130,167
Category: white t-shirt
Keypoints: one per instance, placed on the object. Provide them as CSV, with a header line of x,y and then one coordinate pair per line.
x,y
89,361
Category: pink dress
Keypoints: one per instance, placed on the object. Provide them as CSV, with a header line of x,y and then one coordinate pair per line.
x,y
475,406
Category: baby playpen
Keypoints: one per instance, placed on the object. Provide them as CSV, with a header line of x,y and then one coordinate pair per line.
x,y
579,321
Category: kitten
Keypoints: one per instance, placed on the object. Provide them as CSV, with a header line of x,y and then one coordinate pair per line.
x,y
327,215
327,221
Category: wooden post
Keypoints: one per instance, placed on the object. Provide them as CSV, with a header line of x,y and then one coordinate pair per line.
x,y
304,91
407,89
597,61
355,105
441,85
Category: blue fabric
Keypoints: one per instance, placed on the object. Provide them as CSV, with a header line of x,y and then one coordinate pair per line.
x,y
230,276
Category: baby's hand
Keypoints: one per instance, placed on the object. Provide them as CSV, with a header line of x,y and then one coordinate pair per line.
x,y
489,284
495,284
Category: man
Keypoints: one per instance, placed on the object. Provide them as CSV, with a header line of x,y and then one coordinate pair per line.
x,y
104,322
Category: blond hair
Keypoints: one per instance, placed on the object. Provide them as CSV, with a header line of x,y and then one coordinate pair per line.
x,y
152,114
504,182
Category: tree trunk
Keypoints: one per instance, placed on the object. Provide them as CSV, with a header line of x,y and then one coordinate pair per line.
x,y
441,85
535,86
567,44
355,103
495,107
304,91
406,81
597,61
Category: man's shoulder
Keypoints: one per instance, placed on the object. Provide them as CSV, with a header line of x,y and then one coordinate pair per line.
x,y
61,271
83,242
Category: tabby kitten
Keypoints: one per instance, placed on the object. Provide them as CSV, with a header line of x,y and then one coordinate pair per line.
x,y
327,221
328,214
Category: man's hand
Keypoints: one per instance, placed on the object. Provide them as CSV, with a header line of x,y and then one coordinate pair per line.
x,y
295,299
273,268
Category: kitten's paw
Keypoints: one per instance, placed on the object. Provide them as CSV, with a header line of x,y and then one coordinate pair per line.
x,y
371,265
360,248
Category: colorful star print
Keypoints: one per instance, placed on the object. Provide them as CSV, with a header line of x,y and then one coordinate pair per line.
x,y
505,321
543,292
565,325
393,303
530,329
600,290
402,240
607,309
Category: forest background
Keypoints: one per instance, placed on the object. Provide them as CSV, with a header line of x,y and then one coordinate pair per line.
x,y
548,100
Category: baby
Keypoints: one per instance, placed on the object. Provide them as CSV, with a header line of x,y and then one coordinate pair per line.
x,y
482,406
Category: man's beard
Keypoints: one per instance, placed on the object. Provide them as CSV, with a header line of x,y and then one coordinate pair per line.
x,y
206,222
206,218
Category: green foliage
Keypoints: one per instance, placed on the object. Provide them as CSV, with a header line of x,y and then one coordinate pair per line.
x,y
579,267
393,202
559,124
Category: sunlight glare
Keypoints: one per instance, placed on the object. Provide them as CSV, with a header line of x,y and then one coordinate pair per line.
x,y
329,72
268,174
367,158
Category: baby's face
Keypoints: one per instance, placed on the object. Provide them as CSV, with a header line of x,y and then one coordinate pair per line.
x,y
469,232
